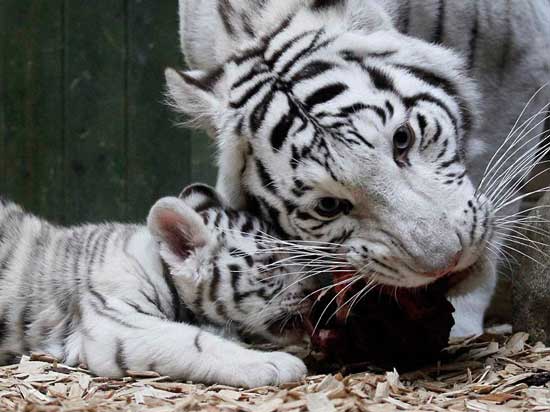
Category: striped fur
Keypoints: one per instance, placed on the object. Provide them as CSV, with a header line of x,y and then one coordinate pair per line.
x,y
173,296
307,99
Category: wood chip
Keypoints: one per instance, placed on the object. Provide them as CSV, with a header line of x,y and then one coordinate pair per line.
x,y
138,375
319,402
269,406
490,374
382,391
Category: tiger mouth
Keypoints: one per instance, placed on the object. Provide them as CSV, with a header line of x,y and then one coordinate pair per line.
x,y
345,279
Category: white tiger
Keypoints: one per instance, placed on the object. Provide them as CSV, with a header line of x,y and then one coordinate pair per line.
x,y
337,127
174,296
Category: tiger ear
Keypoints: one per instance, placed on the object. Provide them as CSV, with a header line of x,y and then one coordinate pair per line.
x,y
179,229
200,197
196,94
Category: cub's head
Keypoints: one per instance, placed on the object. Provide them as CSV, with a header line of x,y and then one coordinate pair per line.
x,y
227,267
348,136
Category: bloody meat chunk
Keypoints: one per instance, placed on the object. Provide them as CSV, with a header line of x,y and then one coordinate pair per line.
x,y
388,328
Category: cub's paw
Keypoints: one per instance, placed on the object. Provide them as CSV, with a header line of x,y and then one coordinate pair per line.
x,y
289,368
275,368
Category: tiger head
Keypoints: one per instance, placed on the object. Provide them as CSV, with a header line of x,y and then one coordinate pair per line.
x,y
354,136
228,269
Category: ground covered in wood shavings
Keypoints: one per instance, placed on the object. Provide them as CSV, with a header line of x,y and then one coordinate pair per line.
x,y
490,373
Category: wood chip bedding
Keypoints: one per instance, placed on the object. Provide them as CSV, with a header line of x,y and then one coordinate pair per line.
x,y
491,373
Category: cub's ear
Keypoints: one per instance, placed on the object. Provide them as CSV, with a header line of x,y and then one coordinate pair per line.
x,y
196,94
200,197
178,227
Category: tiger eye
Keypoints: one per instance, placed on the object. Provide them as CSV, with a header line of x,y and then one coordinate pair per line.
x,y
403,140
330,207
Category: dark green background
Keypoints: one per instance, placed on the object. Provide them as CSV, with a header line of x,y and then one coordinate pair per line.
x,y
84,135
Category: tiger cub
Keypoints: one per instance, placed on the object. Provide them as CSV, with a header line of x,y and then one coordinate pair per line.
x,y
172,297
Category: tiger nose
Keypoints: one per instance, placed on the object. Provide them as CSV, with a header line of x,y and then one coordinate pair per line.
x,y
436,250
445,270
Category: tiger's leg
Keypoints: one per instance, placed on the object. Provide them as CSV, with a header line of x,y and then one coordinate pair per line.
x,y
472,297
118,342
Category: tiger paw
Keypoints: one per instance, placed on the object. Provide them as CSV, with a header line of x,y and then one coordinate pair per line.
x,y
274,368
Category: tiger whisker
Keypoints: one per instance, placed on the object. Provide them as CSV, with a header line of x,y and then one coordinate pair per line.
x,y
305,266
514,178
518,175
270,239
359,275
516,181
513,249
524,216
301,241
504,253
524,245
523,196
520,235
526,242
313,261
494,174
497,155
332,285
527,228
332,301
324,268
526,220
499,255
364,292
292,259
310,275
371,284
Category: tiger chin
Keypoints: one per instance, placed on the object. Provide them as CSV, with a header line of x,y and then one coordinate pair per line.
x,y
175,296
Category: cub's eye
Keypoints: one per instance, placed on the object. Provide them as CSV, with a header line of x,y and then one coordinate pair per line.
x,y
403,140
330,207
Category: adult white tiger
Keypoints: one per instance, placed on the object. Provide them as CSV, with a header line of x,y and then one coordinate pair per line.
x,y
338,128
